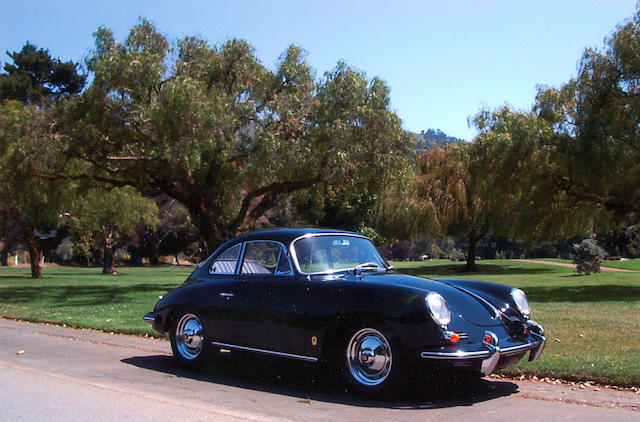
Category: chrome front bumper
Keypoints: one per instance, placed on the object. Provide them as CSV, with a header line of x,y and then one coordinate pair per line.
x,y
150,318
490,351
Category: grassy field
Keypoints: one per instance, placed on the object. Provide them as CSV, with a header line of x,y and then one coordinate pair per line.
x,y
592,322
84,297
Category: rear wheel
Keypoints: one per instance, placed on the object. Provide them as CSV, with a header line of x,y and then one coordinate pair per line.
x,y
188,340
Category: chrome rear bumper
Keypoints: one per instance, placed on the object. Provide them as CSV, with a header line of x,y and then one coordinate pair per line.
x,y
490,352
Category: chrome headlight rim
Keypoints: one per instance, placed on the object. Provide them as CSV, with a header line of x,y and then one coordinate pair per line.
x,y
522,303
438,309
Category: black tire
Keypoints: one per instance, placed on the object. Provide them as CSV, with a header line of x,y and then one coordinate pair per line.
x,y
188,340
371,361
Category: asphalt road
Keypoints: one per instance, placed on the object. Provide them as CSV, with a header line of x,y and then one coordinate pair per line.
x,y
50,373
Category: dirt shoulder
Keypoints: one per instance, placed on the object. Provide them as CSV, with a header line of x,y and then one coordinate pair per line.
x,y
563,264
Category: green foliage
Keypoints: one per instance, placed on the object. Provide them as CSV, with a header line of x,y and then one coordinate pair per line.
x,y
29,148
93,213
595,119
35,77
230,139
588,255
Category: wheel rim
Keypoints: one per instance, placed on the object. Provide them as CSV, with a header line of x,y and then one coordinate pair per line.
x,y
189,337
369,357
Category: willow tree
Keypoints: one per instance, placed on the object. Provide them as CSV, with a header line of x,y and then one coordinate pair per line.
x,y
596,117
215,129
498,184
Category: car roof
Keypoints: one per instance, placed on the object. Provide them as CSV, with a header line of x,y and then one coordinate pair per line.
x,y
286,235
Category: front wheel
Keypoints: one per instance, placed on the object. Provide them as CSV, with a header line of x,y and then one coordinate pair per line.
x,y
188,340
372,361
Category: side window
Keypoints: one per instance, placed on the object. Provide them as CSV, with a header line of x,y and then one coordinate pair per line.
x,y
226,262
263,258
284,267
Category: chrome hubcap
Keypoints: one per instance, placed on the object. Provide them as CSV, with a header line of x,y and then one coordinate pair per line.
x,y
189,338
369,357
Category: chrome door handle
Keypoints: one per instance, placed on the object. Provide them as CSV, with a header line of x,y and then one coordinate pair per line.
x,y
227,295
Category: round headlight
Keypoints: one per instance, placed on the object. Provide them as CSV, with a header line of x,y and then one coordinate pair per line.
x,y
521,301
438,309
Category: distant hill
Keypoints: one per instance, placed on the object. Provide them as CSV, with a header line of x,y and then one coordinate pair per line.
x,y
433,137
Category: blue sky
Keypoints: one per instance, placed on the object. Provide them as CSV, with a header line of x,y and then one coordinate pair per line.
x,y
443,60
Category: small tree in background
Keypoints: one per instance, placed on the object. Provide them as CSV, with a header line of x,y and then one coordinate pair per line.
x,y
588,255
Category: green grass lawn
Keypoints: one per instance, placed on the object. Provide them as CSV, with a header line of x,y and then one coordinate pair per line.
x,y
592,322
84,297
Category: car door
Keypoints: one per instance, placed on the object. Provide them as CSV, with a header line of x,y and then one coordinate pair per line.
x,y
270,301
221,313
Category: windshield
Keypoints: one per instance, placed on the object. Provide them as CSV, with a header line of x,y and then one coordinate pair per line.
x,y
330,253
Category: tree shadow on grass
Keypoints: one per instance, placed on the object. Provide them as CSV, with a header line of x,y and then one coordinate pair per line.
x,y
599,293
450,269
79,295
308,383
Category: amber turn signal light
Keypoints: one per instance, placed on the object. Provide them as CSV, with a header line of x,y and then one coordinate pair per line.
x,y
454,338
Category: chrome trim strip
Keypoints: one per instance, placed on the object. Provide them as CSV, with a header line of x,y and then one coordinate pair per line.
x,y
151,319
266,352
238,269
481,353
457,355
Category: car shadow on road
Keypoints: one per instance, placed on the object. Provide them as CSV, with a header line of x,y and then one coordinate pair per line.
x,y
308,383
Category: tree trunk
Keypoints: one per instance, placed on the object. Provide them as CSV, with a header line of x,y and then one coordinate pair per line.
x,y
34,257
108,260
154,256
7,243
471,254
177,261
4,256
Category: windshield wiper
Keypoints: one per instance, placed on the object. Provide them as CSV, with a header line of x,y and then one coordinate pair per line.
x,y
366,266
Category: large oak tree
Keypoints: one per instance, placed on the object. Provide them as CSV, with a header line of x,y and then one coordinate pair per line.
x,y
215,129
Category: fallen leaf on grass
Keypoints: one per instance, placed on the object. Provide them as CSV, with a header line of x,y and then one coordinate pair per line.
x,y
557,339
581,335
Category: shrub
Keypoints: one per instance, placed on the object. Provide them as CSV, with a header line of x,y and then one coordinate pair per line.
x,y
588,255
457,255
401,251
385,252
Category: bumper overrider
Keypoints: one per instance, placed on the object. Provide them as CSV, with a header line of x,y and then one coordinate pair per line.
x,y
153,319
492,353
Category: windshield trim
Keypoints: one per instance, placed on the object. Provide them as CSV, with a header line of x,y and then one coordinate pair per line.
x,y
292,251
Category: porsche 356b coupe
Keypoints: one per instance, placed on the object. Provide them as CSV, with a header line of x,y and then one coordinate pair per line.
x,y
327,296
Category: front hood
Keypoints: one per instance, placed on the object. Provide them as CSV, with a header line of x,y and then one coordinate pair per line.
x,y
463,304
